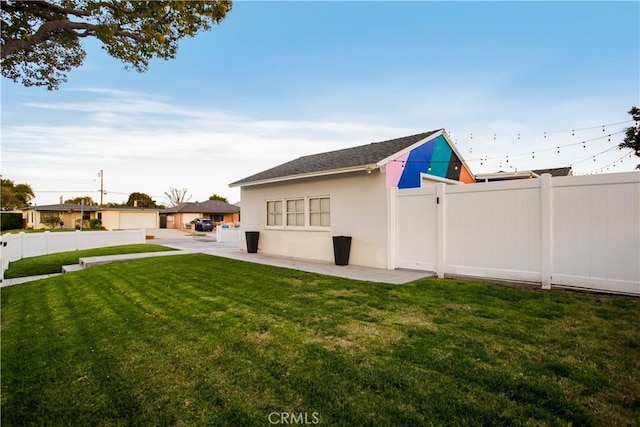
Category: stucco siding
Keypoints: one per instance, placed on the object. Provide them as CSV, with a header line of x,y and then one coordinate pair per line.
x,y
358,209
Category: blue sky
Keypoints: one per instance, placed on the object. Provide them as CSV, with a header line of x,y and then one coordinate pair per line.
x,y
278,80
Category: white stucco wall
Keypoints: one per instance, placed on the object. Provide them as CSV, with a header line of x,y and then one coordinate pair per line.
x,y
358,209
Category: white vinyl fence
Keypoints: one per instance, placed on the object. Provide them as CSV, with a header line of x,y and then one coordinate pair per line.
x,y
577,231
24,245
228,234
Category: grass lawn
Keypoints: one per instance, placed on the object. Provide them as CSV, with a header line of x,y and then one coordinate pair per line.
x,y
201,340
49,264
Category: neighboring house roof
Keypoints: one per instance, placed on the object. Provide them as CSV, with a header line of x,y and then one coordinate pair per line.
x,y
208,207
504,176
355,158
566,171
64,207
72,207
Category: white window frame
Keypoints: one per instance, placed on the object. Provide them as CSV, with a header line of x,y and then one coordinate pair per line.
x,y
321,213
275,213
305,214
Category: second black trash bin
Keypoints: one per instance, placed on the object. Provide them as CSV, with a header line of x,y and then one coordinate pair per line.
x,y
341,249
252,241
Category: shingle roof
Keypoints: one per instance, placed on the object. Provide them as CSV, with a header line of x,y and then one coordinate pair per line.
x,y
209,207
554,171
334,160
66,207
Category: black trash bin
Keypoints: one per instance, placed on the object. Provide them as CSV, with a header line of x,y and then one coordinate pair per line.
x,y
252,241
341,249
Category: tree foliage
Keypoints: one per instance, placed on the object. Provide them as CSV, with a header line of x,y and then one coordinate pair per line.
x,y
218,197
41,40
52,221
632,134
175,196
15,196
141,200
88,201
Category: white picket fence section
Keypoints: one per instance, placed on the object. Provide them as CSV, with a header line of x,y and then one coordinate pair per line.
x,y
577,231
24,245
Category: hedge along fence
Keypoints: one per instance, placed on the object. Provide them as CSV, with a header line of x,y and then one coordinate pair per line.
x,y
25,245
10,220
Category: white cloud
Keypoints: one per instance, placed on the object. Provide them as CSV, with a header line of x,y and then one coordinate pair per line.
x,y
148,144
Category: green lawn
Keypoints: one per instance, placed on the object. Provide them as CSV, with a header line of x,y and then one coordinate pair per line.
x,y
49,264
201,340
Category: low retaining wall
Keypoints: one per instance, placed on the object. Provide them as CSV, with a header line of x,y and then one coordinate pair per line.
x,y
25,245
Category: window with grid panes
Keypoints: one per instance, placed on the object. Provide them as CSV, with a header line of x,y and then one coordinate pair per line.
x,y
274,213
319,212
295,212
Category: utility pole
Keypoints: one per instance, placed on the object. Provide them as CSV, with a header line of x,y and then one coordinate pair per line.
x,y
101,175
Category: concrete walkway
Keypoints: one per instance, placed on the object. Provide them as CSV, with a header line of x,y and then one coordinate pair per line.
x,y
205,243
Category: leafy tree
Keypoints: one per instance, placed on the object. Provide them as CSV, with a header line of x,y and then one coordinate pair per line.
x,y
15,196
175,196
141,200
88,201
218,197
51,221
632,134
41,39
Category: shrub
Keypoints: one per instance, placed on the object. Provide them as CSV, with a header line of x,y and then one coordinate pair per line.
x,y
95,224
10,221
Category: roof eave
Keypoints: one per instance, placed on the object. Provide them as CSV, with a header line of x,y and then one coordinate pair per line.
x,y
507,175
317,174
394,156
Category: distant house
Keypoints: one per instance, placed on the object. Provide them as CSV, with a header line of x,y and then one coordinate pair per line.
x,y
299,205
182,215
537,173
112,218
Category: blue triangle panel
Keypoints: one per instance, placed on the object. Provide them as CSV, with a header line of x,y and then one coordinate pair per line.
x,y
417,162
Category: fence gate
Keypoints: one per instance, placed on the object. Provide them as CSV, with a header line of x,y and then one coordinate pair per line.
x,y
416,228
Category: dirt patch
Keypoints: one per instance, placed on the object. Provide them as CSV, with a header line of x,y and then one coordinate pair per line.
x,y
409,316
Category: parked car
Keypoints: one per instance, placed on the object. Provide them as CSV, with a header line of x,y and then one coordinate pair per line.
x,y
203,224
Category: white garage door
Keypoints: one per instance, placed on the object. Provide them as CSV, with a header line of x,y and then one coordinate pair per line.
x,y
130,220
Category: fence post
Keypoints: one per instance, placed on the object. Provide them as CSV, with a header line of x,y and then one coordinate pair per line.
x,y
392,230
46,242
546,229
441,237
21,236
4,260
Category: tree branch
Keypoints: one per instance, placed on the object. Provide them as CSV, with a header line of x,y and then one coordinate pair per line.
x,y
58,9
45,31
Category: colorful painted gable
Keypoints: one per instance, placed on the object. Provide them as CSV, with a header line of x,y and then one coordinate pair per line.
x,y
434,157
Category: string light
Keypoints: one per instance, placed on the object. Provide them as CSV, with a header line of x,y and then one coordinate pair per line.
x,y
484,160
